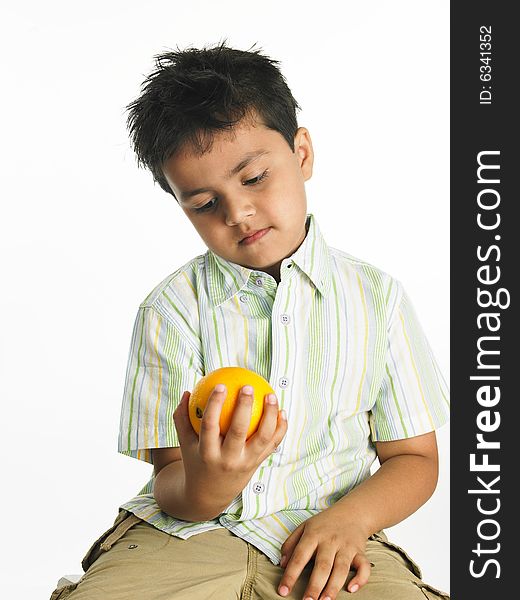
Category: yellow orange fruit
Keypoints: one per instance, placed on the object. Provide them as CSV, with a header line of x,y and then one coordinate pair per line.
x,y
234,378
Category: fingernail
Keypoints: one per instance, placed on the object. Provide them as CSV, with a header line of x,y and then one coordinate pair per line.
x,y
326,598
282,561
220,387
247,389
284,415
354,588
284,590
271,399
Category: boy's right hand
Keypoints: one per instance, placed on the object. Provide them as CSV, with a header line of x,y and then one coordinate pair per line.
x,y
217,468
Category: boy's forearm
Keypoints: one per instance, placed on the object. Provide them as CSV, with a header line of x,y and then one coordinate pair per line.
x,y
396,490
174,498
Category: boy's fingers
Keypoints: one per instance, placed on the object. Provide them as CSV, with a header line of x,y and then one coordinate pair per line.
x,y
363,569
263,441
290,544
240,420
209,438
328,574
298,552
338,576
185,431
276,439
281,427
280,431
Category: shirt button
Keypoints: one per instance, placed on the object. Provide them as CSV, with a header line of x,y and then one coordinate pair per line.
x,y
243,298
284,382
258,487
259,281
285,319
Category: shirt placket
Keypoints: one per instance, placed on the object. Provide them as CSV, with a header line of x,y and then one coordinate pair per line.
x,y
255,496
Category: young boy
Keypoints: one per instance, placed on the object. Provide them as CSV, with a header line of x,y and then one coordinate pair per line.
x,y
294,511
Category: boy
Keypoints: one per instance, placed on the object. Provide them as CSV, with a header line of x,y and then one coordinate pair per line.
x,y
293,512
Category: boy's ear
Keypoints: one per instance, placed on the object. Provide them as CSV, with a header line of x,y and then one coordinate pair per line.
x,y
304,152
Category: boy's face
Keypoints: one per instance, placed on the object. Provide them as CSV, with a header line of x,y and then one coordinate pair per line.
x,y
250,181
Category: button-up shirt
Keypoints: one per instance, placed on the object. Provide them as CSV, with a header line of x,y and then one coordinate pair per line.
x,y
338,341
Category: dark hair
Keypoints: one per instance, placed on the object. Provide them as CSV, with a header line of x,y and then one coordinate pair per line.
x,y
193,93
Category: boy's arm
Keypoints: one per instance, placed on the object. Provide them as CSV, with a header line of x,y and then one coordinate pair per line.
x,y
170,491
336,537
406,480
197,481
161,457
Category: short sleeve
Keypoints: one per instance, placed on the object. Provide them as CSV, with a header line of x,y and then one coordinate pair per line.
x,y
163,361
413,398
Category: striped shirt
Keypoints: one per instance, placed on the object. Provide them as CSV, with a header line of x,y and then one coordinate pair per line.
x,y
340,344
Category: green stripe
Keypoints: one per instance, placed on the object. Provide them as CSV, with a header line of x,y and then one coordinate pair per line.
x,y
131,409
394,397
217,340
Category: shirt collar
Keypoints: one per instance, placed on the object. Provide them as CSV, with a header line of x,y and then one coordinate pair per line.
x,y
225,279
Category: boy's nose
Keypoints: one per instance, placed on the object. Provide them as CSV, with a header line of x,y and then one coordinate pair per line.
x,y
238,211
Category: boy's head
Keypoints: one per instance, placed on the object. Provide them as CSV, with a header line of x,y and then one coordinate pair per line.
x,y
217,128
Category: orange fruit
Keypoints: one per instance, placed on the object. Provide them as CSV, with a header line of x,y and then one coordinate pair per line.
x,y
234,378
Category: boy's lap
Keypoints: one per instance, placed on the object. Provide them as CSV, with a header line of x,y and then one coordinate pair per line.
x,y
148,564
145,563
394,576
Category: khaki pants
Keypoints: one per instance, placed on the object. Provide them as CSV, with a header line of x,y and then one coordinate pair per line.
x,y
134,560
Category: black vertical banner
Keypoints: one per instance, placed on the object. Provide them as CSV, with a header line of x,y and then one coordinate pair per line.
x,y
485,267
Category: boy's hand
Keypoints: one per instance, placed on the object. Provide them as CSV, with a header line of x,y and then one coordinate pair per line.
x,y
218,468
336,545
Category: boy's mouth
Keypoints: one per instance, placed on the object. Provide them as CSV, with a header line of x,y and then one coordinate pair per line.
x,y
253,236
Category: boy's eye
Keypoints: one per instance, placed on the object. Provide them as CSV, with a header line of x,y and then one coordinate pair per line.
x,y
211,204
256,179
208,206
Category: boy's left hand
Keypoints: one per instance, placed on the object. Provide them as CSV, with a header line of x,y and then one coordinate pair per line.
x,y
336,545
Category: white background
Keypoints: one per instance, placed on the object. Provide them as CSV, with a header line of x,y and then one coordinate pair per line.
x,y
372,80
